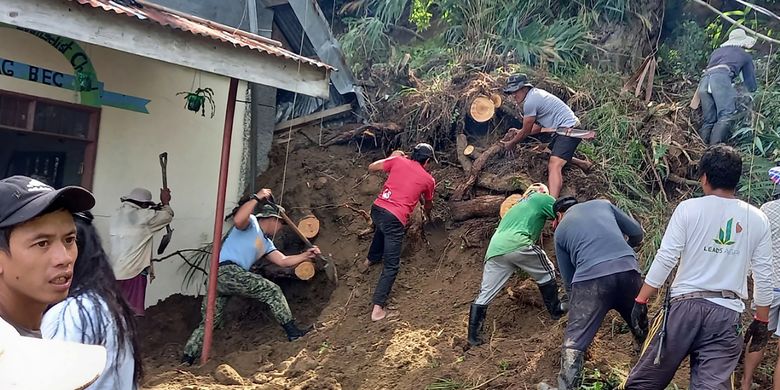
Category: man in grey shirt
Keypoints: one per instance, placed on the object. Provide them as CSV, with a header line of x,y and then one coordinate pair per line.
x,y
600,273
542,109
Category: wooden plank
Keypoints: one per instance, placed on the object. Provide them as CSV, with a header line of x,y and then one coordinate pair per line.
x,y
152,40
286,125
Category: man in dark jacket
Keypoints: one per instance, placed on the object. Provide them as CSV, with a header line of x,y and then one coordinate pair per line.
x,y
716,92
599,271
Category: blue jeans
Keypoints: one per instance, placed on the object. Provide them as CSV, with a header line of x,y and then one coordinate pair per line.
x,y
718,106
385,247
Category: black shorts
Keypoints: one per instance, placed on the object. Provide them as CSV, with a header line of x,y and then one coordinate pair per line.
x,y
564,146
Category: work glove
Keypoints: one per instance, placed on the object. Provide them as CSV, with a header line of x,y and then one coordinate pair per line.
x,y
757,335
639,321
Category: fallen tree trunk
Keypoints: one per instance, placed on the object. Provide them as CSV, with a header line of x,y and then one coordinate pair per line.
x,y
476,168
482,206
491,181
371,131
303,271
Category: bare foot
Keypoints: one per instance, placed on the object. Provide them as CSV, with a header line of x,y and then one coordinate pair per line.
x,y
364,266
379,313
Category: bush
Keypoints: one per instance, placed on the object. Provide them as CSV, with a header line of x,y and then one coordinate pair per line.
x,y
685,54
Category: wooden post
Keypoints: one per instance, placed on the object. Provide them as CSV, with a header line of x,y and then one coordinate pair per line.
x,y
211,297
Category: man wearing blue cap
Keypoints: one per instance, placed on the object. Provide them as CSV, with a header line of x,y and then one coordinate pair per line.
x,y
37,248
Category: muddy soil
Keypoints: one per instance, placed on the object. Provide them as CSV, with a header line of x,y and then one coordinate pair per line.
x,y
424,344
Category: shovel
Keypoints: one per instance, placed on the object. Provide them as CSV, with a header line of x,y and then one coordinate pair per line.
x,y
330,267
168,231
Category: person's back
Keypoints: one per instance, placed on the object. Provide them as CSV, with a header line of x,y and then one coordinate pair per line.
x,y
549,110
591,234
67,321
131,230
720,238
407,180
522,225
738,61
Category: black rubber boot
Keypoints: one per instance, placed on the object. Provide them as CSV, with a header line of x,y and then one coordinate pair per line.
x,y
293,333
553,304
721,132
570,376
476,319
187,359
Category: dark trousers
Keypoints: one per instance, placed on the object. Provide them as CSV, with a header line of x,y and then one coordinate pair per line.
x,y
705,331
385,247
591,300
718,106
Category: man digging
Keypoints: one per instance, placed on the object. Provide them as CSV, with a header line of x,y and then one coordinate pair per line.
x,y
600,272
542,109
248,241
512,247
407,184
716,240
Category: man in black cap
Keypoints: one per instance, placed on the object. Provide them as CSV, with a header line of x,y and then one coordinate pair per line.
x,y
543,110
37,248
407,184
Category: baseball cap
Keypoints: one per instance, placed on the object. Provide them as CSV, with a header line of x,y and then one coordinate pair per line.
x,y
30,363
517,81
424,151
23,198
270,211
563,204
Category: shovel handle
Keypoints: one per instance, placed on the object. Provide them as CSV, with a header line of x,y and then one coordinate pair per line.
x,y
164,166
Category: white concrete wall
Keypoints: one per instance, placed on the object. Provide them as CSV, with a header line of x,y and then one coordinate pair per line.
x,y
129,142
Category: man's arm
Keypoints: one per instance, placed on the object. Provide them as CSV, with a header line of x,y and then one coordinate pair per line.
x,y
384,164
761,265
628,226
667,256
749,76
565,264
528,126
283,260
241,219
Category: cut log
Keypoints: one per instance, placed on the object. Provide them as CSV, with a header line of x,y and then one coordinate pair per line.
x,y
483,206
482,109
303,271
509,202
476,168
370,131
468,150
496,98
309,226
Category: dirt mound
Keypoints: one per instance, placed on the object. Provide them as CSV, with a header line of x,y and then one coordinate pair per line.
x,y
424,345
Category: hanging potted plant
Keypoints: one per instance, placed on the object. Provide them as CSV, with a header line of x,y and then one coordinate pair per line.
x,y
195,100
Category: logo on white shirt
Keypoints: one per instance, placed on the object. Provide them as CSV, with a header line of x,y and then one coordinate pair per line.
x,y
36,186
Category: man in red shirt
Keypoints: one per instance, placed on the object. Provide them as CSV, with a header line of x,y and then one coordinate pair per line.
x,y
407,184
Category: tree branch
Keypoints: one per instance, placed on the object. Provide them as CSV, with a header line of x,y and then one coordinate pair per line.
x,y
732,21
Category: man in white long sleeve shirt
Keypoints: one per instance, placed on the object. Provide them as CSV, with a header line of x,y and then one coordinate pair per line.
x,y
132,229
772,211
717,239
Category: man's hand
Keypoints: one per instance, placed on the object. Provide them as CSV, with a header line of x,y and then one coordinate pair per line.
x,y
757,335
639,321
312,253
264,194
165,196
397,153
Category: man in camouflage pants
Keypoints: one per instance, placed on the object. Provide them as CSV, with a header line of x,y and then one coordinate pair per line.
x,y
247,242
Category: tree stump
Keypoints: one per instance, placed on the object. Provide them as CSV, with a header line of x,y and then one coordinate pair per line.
x,y
305,270
309,226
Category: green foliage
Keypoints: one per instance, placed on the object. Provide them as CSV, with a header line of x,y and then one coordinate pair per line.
x,y
365,40
445,384
685,54
421,14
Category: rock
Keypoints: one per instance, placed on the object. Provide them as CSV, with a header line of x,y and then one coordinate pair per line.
x,y
320,183
266,367
226,375
300,365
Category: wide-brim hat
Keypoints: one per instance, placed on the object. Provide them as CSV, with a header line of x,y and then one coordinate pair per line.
x,y
515,82
32,363
140,195
738,37
23,198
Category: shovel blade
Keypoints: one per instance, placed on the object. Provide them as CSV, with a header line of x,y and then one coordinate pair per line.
x,y
165,240
330,270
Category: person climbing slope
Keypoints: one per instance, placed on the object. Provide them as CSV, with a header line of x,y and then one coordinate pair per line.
x,y
716,240
407,184
512,247
600,273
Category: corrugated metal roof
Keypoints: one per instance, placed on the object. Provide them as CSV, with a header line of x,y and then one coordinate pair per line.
x,y
199,26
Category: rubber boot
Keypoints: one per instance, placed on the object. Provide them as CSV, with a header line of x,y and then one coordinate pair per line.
x,y
721,132
187,359
705,132
570,376
553,304
293,333
476,319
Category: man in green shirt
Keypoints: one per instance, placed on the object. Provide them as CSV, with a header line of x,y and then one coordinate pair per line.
x,y
514,246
